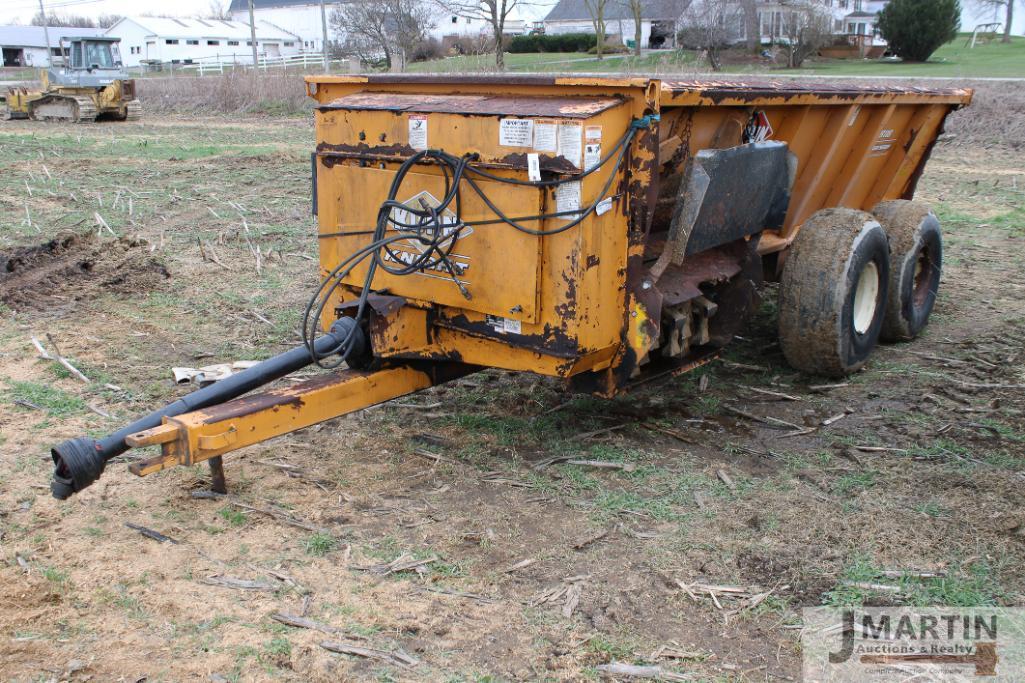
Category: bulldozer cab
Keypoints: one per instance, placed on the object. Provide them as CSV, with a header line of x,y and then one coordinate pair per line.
x,y
89,62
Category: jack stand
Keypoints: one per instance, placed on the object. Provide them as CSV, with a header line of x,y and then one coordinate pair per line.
x,y
217,482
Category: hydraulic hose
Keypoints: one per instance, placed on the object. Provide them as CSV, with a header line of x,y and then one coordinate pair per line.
x,y
79,462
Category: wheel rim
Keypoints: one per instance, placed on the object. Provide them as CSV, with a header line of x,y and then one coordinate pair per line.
x,y
923,277
866,294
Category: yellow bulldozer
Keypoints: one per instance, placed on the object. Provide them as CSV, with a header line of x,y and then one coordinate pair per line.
x,y
89,83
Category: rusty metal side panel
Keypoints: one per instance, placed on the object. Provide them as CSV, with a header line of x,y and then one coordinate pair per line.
x,y
792,92
578,319
479,105
497,266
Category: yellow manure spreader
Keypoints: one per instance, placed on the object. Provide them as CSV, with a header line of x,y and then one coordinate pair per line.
x,y
91,84
606,231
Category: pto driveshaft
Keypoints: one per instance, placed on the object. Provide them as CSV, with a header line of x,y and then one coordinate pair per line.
x,y
79,462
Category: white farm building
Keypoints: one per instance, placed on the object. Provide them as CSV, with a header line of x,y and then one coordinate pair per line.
x,y
26,45
303,18
193,41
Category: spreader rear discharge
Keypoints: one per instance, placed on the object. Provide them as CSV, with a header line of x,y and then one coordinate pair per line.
x,y
606,231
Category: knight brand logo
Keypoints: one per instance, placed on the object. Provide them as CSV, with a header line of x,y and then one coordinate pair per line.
x,y
410,250
904,643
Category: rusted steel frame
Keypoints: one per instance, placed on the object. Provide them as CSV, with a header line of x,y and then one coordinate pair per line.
x,y
722,93
516,162
205,434
326,88
852,186
533,80
679,92
475,104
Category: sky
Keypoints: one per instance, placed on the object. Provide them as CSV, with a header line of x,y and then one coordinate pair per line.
x,y
22,10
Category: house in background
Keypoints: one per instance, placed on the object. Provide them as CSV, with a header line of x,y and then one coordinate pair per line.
x,y
303,19
26,45
193,41
660,20
300,18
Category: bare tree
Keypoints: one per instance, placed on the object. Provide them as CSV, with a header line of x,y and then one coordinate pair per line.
x,y
382,30
363,30
107,20
218,9
807,27
596,8
494,12
752,31
636,8
413,21
711,26
1007,7
65,20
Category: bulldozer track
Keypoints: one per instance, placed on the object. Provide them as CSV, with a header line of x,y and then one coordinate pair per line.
x,y
79,109
133,110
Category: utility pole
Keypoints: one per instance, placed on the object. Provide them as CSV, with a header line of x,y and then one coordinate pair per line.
x,y
323,24
46,35
252,34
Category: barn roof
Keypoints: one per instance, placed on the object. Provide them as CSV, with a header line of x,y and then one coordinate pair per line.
x,y
35,36
175,27
243,5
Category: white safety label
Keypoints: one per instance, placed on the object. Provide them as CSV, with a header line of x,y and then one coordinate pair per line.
x,y
592,134
546,136
592,155
418,131
567,198
516,132
504,325
533,166
570,139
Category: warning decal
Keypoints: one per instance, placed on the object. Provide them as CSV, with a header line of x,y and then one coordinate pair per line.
x,y
546,136
758,128
418,131
408,251
516,132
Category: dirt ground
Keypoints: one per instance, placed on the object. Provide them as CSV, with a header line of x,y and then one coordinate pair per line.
x,y
437,530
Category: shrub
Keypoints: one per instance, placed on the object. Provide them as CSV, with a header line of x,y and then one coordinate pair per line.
x,y
609,49
468,45
426,50
914,29
558,42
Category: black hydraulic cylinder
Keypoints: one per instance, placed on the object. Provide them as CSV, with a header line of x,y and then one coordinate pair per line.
x,y
79,462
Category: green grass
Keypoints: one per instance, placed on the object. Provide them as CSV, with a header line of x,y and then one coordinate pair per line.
x,y
55,402
319,544
971,585
513,62
232,516
987,59
991,59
